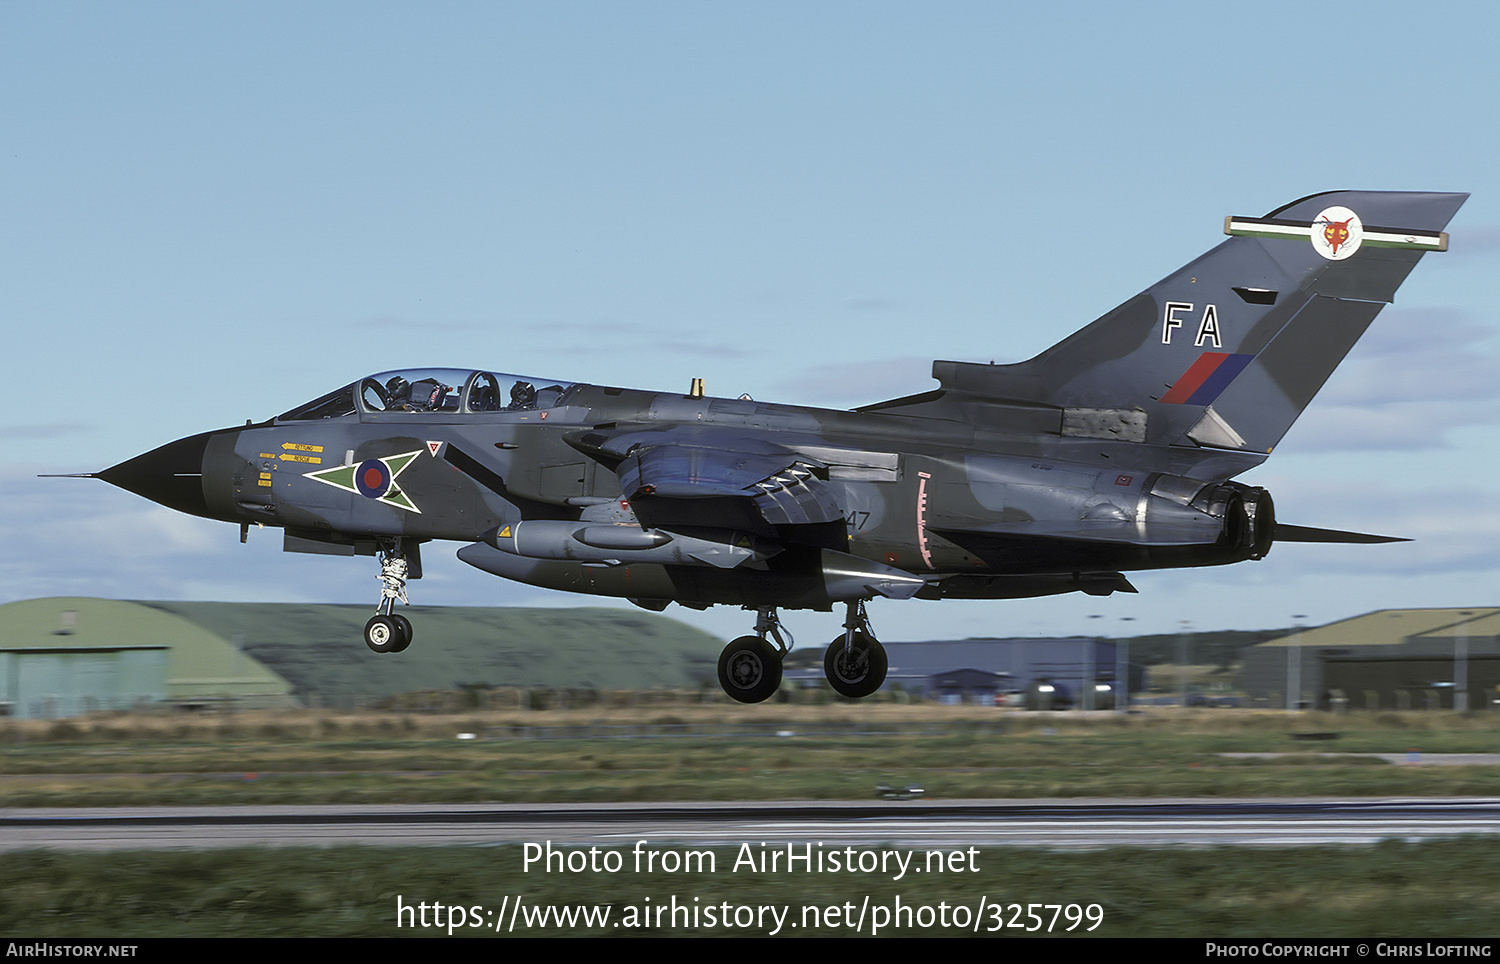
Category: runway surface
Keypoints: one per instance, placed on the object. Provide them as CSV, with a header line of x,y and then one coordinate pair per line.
x,y
946,824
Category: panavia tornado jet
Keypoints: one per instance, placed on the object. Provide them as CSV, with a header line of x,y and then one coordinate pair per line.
x,y
1112,451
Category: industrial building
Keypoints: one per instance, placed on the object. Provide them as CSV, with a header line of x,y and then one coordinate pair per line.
x,y
1075,673
1391,659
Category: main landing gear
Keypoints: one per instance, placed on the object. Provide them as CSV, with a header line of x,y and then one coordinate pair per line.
x,y
750,666
387,631
855,663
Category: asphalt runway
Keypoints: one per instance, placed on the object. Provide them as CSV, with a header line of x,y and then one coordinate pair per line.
x,y
948,824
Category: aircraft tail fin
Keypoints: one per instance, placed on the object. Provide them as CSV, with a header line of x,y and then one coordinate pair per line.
x,y
1226,352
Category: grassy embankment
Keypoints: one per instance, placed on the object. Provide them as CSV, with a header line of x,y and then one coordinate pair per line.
x,y
779,752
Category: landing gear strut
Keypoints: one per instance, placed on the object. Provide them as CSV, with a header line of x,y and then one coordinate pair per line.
x,y
750,667
387,632
855,663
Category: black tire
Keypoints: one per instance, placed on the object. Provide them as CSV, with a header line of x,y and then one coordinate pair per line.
x,y
404,625
383,635
749,669
858,672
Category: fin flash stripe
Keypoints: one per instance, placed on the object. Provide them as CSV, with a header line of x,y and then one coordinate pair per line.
x,y
1206,378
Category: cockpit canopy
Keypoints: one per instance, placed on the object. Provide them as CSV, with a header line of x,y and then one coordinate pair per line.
x,y
420,391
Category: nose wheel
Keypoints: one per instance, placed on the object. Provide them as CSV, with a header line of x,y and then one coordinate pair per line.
x,y
388,634
387,631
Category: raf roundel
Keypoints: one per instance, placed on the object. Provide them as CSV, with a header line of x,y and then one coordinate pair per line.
x,y
375,479
372,479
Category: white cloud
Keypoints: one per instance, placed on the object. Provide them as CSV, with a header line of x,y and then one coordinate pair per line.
x,y
1417,376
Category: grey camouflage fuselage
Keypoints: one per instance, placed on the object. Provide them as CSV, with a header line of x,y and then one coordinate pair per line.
x,y
1110,452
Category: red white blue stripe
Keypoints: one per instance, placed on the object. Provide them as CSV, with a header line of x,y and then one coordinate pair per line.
x,y
1206,378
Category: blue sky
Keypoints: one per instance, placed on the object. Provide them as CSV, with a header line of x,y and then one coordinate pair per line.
x,y
214,212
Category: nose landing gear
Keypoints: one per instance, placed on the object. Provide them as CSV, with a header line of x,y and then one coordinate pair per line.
x,y
388,632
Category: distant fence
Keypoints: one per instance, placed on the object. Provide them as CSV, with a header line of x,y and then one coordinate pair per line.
x,y
734,731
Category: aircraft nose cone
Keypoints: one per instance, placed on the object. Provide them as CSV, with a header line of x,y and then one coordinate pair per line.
x,y
171,475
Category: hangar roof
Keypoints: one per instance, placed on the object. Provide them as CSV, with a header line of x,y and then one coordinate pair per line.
x,y
200,663
1393,627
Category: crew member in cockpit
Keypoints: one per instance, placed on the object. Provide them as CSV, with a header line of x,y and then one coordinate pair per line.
x,y
522,397
398,395
426,395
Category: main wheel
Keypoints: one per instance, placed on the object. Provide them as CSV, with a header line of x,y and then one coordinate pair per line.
x,y
860,670
749,669
383,635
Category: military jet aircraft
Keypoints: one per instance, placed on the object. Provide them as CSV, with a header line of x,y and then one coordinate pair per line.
x,y
1112,451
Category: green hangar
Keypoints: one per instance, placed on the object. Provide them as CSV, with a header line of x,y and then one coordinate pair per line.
x,y
1391,659
70,655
